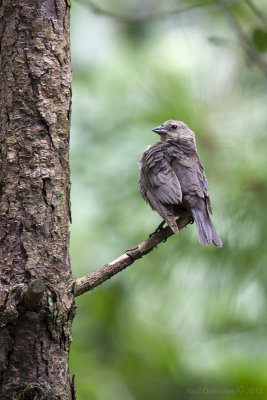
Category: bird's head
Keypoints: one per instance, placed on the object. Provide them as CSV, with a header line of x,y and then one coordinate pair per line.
x,y
172,130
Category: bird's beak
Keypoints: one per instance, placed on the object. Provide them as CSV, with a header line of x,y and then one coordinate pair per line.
x,y
160,130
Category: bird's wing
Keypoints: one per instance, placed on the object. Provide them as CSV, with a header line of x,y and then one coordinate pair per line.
x,y
192,178
158,183
203,181
158,177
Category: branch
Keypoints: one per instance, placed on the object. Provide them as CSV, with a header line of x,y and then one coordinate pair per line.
x,y
250,49
95,278
145,16
257,12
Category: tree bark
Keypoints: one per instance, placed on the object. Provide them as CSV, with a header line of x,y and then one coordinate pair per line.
x,y
36,286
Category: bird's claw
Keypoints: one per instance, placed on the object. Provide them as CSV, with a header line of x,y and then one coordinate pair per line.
x,y
165,239
158,230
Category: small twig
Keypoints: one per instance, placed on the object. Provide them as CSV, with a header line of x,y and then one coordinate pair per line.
x,y
144,16
250,49
95,278
257,12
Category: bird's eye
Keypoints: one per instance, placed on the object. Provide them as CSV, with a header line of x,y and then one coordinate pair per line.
x,y
174,126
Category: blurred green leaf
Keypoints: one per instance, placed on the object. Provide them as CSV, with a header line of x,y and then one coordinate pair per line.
x,y
219,41
259,38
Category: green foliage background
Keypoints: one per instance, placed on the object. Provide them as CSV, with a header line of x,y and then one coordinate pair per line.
x,y
186,321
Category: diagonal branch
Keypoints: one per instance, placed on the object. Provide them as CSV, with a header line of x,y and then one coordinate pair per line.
x,y
257,12
95,278
248,46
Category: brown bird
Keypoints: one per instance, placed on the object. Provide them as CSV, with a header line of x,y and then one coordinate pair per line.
x,y
173,182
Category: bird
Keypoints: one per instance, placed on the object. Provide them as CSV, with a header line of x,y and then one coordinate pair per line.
x,y
173,182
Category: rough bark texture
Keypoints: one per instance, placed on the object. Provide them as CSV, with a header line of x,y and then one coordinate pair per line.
x,y
36,302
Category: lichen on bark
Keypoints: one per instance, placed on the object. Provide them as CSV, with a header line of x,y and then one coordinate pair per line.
x,y
35,98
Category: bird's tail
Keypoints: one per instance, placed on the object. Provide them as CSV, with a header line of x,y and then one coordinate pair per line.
x,y
206,231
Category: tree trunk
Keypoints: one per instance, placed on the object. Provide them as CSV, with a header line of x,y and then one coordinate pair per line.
x,y
36,301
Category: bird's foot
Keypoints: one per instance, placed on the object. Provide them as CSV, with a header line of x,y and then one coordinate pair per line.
x,y
191,220
158,229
